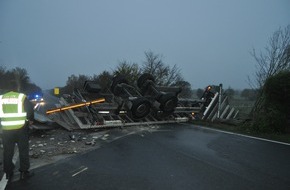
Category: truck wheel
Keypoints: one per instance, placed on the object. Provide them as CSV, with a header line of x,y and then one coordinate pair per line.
x,y
168,103
140,108
119,79
144,78
144,81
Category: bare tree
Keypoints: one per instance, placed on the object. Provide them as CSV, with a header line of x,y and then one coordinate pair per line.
x,y
155,66
130,70
163,74
186,91
275,59
173,76
75,82
104,79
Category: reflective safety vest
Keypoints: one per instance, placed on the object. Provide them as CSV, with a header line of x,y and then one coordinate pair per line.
x,y
12,113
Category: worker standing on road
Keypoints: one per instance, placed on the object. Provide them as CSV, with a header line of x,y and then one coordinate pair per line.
x,y
16,114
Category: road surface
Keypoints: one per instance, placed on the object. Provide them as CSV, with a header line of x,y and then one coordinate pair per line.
x,y
177,156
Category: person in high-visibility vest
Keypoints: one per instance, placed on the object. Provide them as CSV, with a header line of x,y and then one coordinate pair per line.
x,y
16,114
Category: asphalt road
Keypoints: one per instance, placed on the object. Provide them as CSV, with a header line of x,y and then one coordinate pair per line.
x,y
178,156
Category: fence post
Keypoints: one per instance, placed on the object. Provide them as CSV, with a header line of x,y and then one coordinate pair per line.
x,y
220,100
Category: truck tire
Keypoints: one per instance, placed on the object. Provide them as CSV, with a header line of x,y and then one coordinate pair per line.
x,y
144,78
140,108
119,79
144,81
168,103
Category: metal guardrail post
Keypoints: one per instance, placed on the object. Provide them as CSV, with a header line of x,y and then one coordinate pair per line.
x,y
220,100
209,107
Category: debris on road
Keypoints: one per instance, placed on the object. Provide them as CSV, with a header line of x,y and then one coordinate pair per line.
x,y
46,145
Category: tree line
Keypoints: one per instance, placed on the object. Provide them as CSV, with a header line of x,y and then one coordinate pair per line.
x,y
163,74
16,77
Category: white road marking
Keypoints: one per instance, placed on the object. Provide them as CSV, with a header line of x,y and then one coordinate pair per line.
x,y
84,169
3,182
241,135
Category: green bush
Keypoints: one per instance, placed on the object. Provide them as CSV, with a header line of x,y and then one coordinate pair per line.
x,y
277,90
271,121
276,109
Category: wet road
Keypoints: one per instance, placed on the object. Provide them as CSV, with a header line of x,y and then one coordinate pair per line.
x,y
178,156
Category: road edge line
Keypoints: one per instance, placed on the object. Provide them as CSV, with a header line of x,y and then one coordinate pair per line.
x,y
242,135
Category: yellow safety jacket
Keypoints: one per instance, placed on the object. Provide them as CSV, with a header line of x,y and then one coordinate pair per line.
x,y
12,113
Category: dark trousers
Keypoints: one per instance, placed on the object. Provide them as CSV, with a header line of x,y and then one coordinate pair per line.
x,y
21,138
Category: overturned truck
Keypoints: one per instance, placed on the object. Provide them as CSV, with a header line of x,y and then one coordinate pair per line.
x,y
125,105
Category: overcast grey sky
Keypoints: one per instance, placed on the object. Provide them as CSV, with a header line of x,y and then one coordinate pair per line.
x,y
209,40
